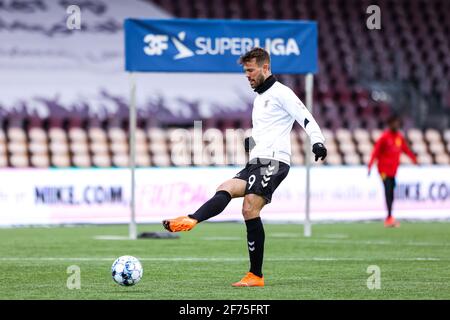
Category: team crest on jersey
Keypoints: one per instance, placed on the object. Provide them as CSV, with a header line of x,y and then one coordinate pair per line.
x,y
266,103
398,142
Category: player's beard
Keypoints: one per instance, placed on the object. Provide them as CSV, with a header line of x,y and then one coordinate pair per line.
x,y
259,80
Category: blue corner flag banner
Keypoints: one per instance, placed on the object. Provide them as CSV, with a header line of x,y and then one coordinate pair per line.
x,y
202,45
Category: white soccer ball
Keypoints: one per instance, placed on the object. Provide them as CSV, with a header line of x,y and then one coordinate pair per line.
x,y
127,271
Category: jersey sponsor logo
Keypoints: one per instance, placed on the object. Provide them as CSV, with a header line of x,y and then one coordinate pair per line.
x,y
157,44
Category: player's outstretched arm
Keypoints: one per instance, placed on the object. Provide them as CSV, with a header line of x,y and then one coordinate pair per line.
x,y
408,151
295,107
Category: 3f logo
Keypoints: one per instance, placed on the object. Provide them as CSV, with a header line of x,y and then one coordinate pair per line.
x,y
374,280
156,44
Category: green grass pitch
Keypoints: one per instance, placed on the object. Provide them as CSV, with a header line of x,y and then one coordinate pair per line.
x,y
414,262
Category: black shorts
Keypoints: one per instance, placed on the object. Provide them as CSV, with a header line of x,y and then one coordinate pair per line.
x,y
263,176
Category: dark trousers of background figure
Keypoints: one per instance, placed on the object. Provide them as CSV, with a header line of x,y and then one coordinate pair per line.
x,y
389,186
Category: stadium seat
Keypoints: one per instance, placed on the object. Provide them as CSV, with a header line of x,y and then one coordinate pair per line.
x,y
3,149
347,148
77,134
17,134
58,147
57,134
101,160
375,134
79,148
234,146
437,148
119,147
343,135
432,136
97,134
81,160
160,147
96,147
60,160
328,135
297,159
140,136
40,161
333,159
141,147
37,134
121,160
19,160
419,148
161,160
36,147
442,159
424,158
404,159
3,160
415,135
156,134
352,159
17,147
446,135
143,160
116,134
361,135
365,158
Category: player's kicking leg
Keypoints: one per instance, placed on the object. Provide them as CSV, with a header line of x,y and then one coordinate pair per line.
x,y
232,188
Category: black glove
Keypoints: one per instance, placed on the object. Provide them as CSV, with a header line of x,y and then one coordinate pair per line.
x,y
319,150
249,144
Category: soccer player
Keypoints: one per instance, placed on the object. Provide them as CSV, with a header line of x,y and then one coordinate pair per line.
x,y
387,151
275,109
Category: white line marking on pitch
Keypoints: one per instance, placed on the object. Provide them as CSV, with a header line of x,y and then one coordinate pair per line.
x,y
222,238
333,239
378,242
112,238
336,236
218,259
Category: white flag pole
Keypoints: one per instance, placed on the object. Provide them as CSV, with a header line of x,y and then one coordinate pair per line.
x,y
309,81
132,162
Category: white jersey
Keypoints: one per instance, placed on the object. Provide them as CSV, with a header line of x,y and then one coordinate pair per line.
x,y
273,115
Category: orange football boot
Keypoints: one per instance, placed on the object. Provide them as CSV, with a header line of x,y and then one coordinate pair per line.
x,y
250,280
390,222
183,223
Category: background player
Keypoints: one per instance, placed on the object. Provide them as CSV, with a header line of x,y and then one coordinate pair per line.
x,y
387,151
